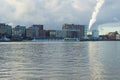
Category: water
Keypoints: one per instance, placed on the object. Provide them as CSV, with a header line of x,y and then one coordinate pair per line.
x,y
60,61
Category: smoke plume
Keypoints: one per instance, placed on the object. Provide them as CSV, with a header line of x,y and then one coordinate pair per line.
x,y
95,13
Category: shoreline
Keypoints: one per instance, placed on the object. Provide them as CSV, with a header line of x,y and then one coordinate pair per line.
x,y
57,41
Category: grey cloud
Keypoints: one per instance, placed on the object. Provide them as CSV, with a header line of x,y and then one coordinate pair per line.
x,y
109,12
54,13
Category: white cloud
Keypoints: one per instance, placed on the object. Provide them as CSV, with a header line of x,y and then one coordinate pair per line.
x,y
53,13
21,7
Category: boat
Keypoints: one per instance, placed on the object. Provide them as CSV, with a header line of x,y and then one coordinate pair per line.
x,y
71,39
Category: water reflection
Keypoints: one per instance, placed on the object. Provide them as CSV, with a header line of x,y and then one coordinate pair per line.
x,y
104,60
95,58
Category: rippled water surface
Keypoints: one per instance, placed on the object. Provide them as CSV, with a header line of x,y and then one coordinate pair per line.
x,y
60,61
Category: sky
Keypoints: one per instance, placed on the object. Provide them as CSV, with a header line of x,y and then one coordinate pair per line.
x,y
54,13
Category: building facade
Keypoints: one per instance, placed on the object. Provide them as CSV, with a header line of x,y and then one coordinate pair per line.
x,y
38,29
35,31
30,33
52,33
19,32
5,30
75,31
95,34
42,34
112,35
61,33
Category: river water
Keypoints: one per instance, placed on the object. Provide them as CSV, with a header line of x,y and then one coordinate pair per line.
x,y
60,60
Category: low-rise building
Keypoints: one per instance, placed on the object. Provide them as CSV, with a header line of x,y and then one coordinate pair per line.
x,y
117,36
61,33
112,35
52,33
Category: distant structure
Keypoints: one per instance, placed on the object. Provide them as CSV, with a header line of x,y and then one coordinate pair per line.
x,y
19,32
70,32
35,31
52,33
113,35
75,31
95,34
5,30
60,34
30,33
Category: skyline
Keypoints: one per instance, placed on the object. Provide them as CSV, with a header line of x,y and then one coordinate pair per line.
x,y
54,13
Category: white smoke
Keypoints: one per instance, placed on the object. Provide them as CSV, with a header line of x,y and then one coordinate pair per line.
x,y
95,13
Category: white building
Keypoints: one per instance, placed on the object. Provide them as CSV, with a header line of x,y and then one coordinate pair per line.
x,y
117,36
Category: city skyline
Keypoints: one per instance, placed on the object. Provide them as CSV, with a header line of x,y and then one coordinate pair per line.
x,y
54,13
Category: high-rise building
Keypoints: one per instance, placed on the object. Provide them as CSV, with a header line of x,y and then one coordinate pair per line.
x,y
75,31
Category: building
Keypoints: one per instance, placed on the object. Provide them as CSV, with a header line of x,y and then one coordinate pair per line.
x,y
38,31
5,30
35,31
47,34
117,36
19,32
112,35
42,34
75,31
52,33
61,33
86,32
95,34
30,33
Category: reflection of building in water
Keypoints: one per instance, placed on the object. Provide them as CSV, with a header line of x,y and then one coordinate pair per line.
x,y
96,65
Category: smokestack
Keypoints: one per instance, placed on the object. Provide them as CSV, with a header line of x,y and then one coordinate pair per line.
x,y
95,13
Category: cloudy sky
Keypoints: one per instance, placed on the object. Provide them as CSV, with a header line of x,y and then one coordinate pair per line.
x,y
54,13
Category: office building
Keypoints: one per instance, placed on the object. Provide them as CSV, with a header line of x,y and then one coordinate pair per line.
x,y
75,31
19,32
5,30
38,29
30,32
